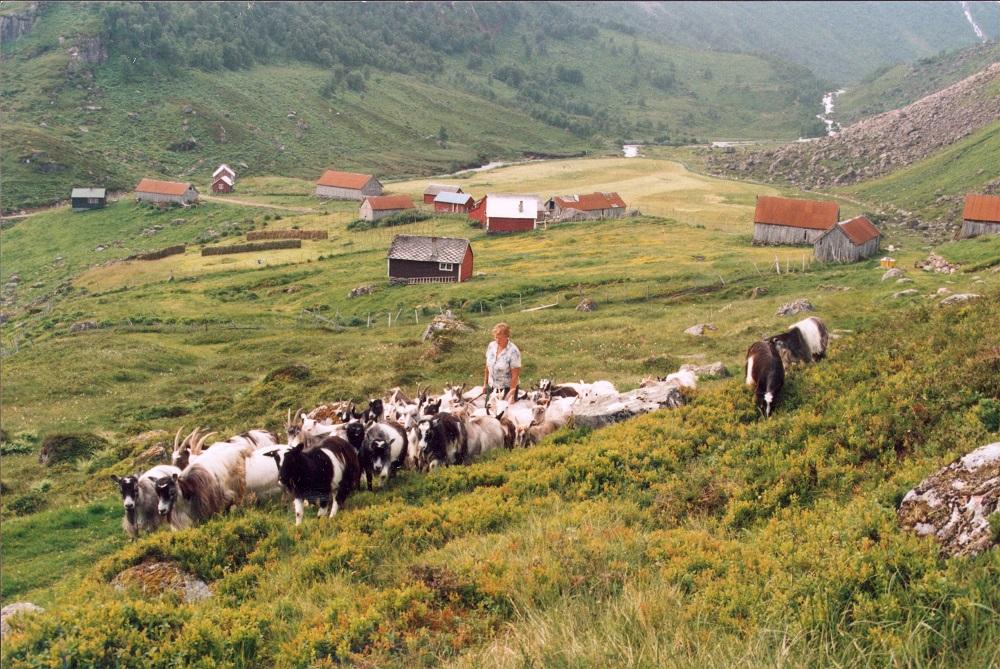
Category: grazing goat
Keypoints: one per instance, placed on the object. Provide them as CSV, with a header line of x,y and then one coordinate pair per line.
x,y
804,342
383,451
539,428
140,500
261,472
325,475
766,373
190,497
442,440
483,434
310,432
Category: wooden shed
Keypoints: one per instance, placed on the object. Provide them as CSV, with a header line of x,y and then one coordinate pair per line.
x,y
981,216
848,241
457,203
156,191
380,206
510,213
223,184
416,259
89,198
432,191
785,220
587,206
224,169
347,185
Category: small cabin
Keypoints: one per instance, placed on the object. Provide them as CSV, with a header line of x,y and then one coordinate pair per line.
x,y
455,203
170,192
89,198
376,207
433,190
981,216
416,259
586,206
223,184
224,170
790,221
505,213
347,185
848,241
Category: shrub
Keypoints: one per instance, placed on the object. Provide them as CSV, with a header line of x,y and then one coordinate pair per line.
x,y
288,374
65,447
28,503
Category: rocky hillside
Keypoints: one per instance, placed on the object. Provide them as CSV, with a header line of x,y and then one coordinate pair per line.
x,y
877,146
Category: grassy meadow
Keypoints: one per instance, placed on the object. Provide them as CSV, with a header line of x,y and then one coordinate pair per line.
x,y
698,537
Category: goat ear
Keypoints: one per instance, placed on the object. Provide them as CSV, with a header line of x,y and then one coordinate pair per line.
x,y
174,476
115,478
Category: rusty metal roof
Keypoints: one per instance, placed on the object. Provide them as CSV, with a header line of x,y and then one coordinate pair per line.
x,y
434,189
809,214
344,179
428,249
859,230
162,187
389,202
984,208
590,201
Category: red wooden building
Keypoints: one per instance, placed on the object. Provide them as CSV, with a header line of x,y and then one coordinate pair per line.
x,y
433,190
223,184
509,213
460,203
416,259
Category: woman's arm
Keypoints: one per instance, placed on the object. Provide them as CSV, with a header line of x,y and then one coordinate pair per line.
x,y
515,374
486,376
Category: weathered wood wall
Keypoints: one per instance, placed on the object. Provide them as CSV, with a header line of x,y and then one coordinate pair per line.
x,y
977,228
836,247
764,233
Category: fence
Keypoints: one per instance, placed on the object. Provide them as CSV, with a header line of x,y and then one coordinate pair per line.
x,y
250,248
256,235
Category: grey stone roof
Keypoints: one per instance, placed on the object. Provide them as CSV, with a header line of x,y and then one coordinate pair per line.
x,y
89,192
428,249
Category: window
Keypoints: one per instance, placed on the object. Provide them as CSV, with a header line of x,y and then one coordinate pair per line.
x,y
446,266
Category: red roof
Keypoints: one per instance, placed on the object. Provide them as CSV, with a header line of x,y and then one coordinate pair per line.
x,y
809,214
859,230
162,187
343,179
387,202
985,208
591,201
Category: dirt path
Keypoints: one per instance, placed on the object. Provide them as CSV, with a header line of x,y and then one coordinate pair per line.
x,y
249,203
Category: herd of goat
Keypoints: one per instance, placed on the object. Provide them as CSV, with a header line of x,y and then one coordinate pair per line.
x,y
328,451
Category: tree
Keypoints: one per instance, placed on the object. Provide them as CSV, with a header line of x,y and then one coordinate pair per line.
x,y
443,136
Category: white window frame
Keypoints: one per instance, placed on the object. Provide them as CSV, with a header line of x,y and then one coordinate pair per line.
x,y
446,266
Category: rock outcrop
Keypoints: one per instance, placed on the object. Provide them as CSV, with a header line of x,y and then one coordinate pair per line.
x,y
12,610
15,26
795,307
701,329
157,578
616,408
954,504
442,323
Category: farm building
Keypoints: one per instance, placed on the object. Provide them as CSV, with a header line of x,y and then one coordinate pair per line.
x,y
88,198
460,203
224,169
784,220
347,185
848,241
981,216
588,206
153,190
380,206
502,212
433,190
223,184
429,259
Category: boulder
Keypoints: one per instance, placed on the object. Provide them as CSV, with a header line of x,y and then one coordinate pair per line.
x,y
444,323
904,280
615,408
954,504
757,291
893,273
795,307
909,292
156,578
14,609
586,304
365,289
943,291
83,326
700,329
715,370
958,298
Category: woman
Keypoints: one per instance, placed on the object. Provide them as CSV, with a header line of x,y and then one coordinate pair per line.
x,y
503,364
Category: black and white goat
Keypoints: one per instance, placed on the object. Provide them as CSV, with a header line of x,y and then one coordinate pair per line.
x,y
383,451
442,441
325,475
191,497
805,341
765,372
140,500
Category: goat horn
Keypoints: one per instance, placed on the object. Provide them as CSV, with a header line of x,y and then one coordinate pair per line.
x,y
201,442
177,438
288,421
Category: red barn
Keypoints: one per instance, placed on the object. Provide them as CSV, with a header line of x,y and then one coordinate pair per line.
x,y
510,213
460,203
785,220
432,191
416,259
222,184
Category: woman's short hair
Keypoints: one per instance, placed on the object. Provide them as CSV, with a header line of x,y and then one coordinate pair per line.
x,y
501,327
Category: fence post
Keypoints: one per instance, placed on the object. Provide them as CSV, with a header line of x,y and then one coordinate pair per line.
x,y
390,319
369,319
415,318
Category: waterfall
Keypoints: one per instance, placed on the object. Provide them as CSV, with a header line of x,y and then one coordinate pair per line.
x,y
972,22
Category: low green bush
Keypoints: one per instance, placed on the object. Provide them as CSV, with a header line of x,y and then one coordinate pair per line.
x,y
58,448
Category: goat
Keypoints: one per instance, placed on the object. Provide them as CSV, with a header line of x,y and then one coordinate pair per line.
x,y
766,373
483,434
804,342
190,497
140,500
536,430
383,450
326,475
442,440
309,432
261,472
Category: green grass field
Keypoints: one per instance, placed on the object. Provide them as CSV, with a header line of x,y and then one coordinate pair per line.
x,y
699,537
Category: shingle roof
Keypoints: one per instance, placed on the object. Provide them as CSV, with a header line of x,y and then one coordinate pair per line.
x,y
504,205
223,168
434,189
226,179
449,197
859,230
89,192
590,201
428,249
389,202
809,214
984,208
343,179
162,187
